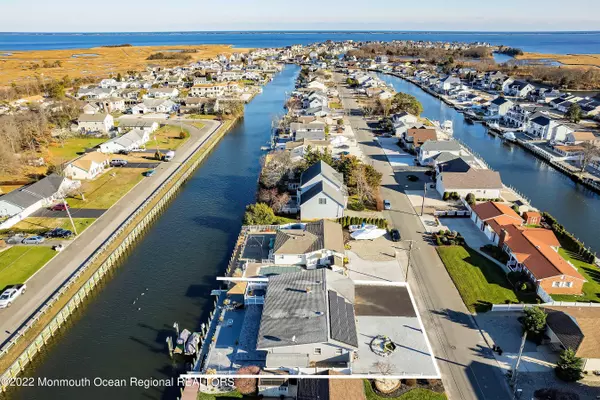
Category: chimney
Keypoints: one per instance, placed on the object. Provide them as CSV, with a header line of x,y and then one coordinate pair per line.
x,y
504,236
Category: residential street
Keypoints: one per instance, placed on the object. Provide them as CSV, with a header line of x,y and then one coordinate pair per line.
x,y
45,282
468,368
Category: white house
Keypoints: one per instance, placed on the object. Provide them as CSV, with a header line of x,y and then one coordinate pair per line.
x,y
212,90
519,89
483,183
163,93
499,107
158,106
547,128
132,140
322,193
92,123
432,148
137,123
87,167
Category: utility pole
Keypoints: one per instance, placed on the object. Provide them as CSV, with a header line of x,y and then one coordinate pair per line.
x,y
423,203
410,246
515,372
69,214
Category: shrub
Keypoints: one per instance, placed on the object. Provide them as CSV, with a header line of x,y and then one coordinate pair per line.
x,y
569,367
356,206
534,323
470,199
438,241
247,385
259,214
410,382
446,196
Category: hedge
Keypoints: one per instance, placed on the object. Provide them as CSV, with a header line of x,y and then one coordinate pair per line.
x,y
346,221
567,240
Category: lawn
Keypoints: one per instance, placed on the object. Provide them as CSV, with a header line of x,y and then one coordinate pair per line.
x,y
36,225
479,281
591,289
415,394
201,116
106,190
18,263
72,147
167,138
334,105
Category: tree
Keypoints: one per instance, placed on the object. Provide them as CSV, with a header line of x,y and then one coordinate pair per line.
x,y
119,77
259,214
247,385
590,151
470,198
279,201
574,113
406,102
569,367
534,321
313,156
385,105
276,169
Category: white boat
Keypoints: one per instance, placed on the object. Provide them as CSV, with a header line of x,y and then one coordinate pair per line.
x,y
448,127
367,234
510,136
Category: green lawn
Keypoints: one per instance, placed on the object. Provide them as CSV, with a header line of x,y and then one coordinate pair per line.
x,y
591,289
415,394
107,189
168,138
35,225
72,147
18,263
225,396
334,105
479,281
200,116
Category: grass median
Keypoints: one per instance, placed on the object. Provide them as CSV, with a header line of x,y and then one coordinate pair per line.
x,y
479,281
19,263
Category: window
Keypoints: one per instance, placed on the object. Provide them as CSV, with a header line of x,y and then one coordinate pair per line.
x,y
322,201
317,351
339,352
555,284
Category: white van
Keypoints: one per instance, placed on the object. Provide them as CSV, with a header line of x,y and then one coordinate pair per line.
x,y
169,156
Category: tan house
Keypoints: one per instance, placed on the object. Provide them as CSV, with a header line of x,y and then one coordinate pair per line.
x,y
87,166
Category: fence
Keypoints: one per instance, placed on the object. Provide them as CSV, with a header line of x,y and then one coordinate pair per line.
x,y
452,213
176,179
521,307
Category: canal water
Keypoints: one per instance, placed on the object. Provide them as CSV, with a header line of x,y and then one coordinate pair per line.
x,y
575,206
169,274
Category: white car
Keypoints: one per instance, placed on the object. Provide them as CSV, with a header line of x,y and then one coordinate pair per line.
x,y
10,294
387,205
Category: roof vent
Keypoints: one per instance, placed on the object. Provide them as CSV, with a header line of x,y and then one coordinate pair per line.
x,y
307,290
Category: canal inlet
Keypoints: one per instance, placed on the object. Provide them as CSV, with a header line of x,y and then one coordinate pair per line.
x,y
573,205
170,272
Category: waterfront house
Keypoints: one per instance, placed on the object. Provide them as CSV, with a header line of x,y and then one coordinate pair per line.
x,y
315,244
416,137
519,89
87,167
546,128
483,183
490,217
447,84
430,149
299,148
21,203
313,130
572,151
403,117
322,193
578,137
95,123
576,328
135,139
499,107
308,317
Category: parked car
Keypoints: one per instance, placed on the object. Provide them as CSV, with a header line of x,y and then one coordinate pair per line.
x,y
387,205
169,155
118,163
124,152
58,233
395,235
60,207
150,172
33,240
15,239
10,294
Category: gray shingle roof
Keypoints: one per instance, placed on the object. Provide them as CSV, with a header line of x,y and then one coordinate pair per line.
x,y
30,194
441,145
324,188
316,236
324,169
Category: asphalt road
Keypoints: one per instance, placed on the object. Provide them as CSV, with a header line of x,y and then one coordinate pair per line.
x,y
45,282
469,370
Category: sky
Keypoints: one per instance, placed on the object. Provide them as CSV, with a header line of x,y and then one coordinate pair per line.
x,y
240,15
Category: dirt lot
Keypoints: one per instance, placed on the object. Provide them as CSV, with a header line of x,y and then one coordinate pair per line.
x,y
18,67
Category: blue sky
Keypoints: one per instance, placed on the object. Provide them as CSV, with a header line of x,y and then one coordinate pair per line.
x,y
199,15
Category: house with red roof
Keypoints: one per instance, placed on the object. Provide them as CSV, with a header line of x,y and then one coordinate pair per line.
x,y
533,251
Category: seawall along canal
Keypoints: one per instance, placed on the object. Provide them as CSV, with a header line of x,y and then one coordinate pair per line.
x,y
576,207
168,275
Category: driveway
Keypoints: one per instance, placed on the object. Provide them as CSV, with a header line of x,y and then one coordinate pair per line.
x,y
473,236
75,213
392,270
395,155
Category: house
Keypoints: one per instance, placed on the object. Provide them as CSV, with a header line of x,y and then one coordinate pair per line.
x,y
322,193
569,151
135,139
534,251
416,137
519,89
126,124
21,203
578,137
430,149
448,83
163,93
317,85
93,123
313,130
576,328
211,90
404,117
94,93
319,243
88,166
490,217
589,107
499,106
91,108
157,106
532,217
114,104
299,148
308,317
546,128
483,183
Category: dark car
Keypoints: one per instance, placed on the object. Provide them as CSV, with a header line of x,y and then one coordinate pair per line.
x,y
124,152
118,163
395,234
59,207
59,233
